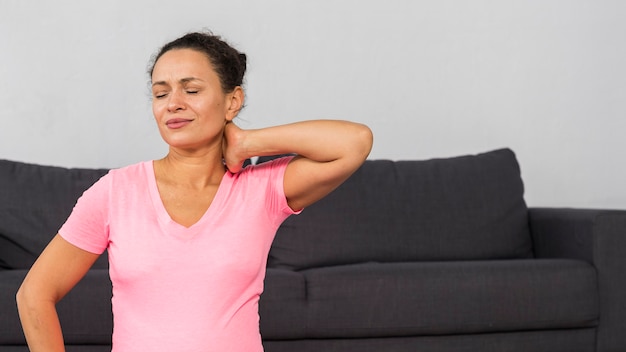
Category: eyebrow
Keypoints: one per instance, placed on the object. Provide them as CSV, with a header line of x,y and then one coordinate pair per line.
x,y
182,81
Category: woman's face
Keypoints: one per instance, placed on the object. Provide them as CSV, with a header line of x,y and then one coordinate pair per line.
x,y
188,103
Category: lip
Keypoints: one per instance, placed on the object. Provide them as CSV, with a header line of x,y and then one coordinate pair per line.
x,y
177,123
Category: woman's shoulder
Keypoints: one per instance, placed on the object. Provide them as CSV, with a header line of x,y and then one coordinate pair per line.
x,y
270,164
133,172
262,170
261,174
132,167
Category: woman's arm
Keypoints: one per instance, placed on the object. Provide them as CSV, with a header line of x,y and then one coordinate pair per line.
x,y
59,267
329,151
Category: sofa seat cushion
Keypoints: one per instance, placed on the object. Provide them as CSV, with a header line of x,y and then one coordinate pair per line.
x,y
436,298
570,340
463,208
85,313
283,305
10,328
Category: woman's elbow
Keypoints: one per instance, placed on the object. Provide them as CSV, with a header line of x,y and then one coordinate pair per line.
x,y
364,141
24,297
28,298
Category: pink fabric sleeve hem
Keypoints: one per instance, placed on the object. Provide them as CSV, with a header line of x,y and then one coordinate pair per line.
x,y
84,246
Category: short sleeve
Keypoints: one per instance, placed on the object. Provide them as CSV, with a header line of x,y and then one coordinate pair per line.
x,y
87,227
276,202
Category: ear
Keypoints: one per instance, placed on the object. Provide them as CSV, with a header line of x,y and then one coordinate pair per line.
x,y
234,103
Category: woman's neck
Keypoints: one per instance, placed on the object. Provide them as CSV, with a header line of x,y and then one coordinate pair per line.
x,y
190,170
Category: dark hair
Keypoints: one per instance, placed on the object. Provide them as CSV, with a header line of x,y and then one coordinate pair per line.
x,y
228,63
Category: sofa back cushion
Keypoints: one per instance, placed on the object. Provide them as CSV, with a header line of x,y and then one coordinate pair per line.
x,y
461,208
35,200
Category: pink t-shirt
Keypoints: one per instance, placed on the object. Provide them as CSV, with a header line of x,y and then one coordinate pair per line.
x,y
178,288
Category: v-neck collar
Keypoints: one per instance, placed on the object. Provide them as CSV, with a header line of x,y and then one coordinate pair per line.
x,y
167,224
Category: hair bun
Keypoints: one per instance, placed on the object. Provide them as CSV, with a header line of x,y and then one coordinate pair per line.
x,y
242,59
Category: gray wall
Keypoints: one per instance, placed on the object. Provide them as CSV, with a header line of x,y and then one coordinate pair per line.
x,y
431,78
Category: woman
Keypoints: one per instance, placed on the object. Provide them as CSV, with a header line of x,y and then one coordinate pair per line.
x,y
188,235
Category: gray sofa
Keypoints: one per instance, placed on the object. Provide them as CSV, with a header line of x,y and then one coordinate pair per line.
x,y
432,255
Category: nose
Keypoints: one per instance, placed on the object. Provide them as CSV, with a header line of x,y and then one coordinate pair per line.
x,y
176,101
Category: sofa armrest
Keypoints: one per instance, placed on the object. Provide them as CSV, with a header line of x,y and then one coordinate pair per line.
x,y
599,238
